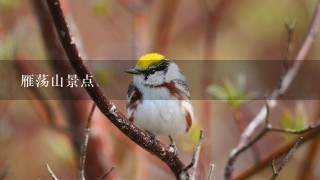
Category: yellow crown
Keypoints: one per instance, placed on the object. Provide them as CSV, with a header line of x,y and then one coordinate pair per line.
x,y
147,60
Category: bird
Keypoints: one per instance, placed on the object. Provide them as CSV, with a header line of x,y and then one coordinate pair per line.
x,y
158,99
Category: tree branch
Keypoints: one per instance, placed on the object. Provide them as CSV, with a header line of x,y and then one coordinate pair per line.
x,y
313,31
267,128
284,84
277,153
290,75
145,141
77,109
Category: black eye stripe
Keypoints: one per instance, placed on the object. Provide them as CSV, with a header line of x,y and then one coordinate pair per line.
x,y
161,67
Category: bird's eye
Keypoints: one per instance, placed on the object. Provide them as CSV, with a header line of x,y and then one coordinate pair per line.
x,y
152,71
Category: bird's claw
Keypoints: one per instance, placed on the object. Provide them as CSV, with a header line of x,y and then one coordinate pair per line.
x,y
153,138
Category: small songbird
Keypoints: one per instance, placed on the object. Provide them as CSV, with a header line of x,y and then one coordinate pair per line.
x,y
158,99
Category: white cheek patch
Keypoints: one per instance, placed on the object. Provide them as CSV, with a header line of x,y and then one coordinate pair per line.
x,y
173,73
138,79
155,79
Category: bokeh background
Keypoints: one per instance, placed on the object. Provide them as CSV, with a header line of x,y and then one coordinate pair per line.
x,y
36,130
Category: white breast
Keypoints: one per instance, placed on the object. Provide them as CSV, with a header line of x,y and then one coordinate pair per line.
x,y
161,117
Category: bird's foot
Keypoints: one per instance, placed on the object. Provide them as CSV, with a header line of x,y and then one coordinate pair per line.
x,y
173,146
153,137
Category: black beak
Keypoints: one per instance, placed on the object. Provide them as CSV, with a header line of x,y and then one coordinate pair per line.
x,y
132,71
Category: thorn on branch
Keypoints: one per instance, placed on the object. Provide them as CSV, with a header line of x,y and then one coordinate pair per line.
x,y
290,27
53,176
210,171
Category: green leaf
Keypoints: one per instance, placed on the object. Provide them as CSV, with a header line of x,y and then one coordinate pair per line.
x,y
217,91
299,120
193,138
286,119
194,133
294,121
287,122
100,7
233,93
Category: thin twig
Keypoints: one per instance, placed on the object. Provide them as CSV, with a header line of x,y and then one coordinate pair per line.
x,y
242,147
285,160
194,162
107,173
285,65
141,138
277,153
292,131
195,154
290,28
53,176
210,171
267,128
273,166
84,144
